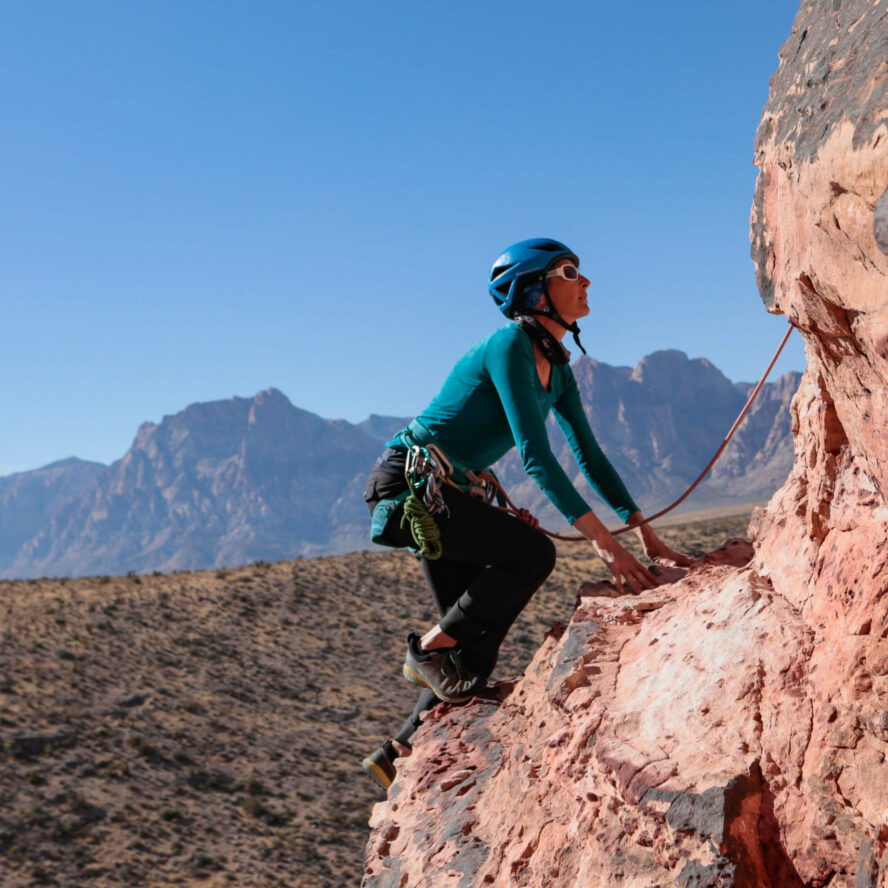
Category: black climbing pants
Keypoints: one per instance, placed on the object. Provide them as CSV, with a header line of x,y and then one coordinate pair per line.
x,y
491,565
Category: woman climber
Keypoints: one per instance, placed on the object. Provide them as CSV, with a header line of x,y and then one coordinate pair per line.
x,y
482,564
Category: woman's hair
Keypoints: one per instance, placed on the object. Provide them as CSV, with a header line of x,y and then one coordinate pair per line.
x,y
532,296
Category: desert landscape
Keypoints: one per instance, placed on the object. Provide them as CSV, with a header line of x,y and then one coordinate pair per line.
x,y
206,728
167,719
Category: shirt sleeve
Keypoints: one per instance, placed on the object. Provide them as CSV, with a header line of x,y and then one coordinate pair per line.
x,y
509,360
597,468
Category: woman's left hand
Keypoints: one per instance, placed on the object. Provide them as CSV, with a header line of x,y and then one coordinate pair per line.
x,y
660,553
655,548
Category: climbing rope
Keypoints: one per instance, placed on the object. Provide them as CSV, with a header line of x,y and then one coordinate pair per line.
x,y
523,513
423,528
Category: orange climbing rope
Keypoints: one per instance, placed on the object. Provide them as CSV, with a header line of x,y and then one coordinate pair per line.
x,y
525,515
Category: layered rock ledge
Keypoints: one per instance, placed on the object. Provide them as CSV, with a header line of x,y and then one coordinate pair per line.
x,y
731,728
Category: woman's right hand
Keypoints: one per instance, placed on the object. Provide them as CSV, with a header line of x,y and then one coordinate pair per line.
x,y
625,568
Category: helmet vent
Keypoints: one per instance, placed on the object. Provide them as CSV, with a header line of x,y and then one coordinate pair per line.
x,y
501,270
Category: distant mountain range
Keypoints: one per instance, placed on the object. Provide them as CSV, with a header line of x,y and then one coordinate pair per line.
x,y
230,482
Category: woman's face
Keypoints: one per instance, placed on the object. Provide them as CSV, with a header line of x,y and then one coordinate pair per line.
x,y
569,297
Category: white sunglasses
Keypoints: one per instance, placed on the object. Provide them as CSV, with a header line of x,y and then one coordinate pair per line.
x,y
567,271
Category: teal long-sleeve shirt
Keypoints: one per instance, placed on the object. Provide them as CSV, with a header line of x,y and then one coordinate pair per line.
x,y
493,400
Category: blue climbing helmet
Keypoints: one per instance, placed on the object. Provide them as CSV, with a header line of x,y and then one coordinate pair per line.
x,y
521,272
518,280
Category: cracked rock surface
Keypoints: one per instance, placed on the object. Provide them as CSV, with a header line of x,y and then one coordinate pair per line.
x,y
729,728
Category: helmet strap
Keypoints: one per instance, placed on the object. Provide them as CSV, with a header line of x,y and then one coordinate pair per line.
x,y
550,312
551,346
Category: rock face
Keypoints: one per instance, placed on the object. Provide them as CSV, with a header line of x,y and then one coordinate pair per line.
x,y
730,728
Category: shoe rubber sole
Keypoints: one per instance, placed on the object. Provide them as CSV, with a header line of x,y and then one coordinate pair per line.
x,y
380,768
376,773
416,678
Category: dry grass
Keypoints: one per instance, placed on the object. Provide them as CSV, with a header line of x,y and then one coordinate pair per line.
x,y
206,728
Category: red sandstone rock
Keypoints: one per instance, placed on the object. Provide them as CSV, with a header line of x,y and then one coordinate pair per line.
x,y
730,728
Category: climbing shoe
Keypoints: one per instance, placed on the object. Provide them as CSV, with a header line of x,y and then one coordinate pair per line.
x,y
441,670
380,764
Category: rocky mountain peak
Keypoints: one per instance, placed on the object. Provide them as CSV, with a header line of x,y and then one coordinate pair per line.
x,y
671,370
269,404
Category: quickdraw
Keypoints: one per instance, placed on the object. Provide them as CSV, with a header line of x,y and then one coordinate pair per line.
x,y
427,467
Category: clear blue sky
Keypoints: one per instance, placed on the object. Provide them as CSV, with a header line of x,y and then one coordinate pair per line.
x,y
205,199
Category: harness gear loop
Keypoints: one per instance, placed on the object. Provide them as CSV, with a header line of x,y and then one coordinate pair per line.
x,y
444,464
481,486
